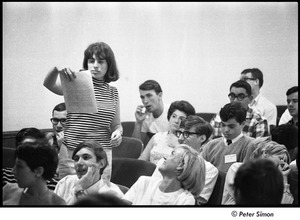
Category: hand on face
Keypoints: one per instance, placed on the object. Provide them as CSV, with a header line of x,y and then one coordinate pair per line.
x,y
284,168
88,179
139,115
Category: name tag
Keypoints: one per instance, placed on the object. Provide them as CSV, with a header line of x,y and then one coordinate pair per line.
x,y
230,158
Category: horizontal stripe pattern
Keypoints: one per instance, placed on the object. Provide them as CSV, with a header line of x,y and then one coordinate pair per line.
x,y
87,126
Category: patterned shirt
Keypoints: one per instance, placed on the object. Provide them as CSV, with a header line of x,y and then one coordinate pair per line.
x,y
255,125
94,126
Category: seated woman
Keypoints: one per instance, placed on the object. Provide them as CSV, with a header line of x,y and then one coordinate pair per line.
x,y
183,178
267,150
36,162
90,161
162,143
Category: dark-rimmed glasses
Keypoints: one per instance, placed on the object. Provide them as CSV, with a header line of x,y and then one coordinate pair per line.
x,y
247,78
239,97
56,120
185,134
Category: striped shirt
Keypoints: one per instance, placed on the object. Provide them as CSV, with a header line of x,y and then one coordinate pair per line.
x,y
93,126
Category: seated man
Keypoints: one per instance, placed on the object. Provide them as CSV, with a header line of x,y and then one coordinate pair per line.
x,y
36,162
255,125
258,183
151,117
292,104
196,134
234,146
183,178
90,160
259,103
59,114
27,135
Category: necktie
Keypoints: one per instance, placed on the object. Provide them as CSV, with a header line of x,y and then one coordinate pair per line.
x,y
229,142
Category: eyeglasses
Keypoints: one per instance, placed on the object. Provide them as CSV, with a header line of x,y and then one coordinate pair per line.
x,y
185,134
56,120
247,78
239,97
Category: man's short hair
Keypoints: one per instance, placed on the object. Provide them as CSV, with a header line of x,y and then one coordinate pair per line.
x,y
258,182
292,90
151,85
201,126
256,73
31,132
59,107
286,134
242,84
233,110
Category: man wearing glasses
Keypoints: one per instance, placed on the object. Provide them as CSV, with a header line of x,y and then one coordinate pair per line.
x,y
59,114
255,125
259,103
196,132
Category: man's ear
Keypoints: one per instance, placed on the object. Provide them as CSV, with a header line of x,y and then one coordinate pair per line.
x,y
39,171
202,138
102,163
160,95
243,123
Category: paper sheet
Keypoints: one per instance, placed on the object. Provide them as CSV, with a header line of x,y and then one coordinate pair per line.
x,y
79,93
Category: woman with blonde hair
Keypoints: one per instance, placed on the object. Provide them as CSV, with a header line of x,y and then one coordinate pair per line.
x,y
265,149
183,178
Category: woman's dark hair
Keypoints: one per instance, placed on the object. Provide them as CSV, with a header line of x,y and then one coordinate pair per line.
x,y
101,199
102,52
96,147
183,106
39,154
258,182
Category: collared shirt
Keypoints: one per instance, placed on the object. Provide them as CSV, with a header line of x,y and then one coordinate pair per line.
x,y
265,108
255,125
292,122
235,139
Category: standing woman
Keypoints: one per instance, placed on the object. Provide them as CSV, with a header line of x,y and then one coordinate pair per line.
x,y
103,126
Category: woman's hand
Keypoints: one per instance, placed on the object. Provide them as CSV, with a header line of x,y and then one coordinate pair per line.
x,y
116,138
285,169
68,73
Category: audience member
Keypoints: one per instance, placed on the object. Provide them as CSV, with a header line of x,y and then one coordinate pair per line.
x,y
103,126
292,104
27,135
255,125
90,160
259,103
265,149
58,120
287,134
234,146
258,183
162,143
101,199
36,162
196,133
183,178
151,117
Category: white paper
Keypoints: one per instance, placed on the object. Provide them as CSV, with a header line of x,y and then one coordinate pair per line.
x,y
79,93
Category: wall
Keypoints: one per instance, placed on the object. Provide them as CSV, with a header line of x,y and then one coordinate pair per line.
x,y
194,50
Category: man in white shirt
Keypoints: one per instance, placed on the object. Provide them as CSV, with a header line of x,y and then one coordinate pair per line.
x,y
151,117
261,104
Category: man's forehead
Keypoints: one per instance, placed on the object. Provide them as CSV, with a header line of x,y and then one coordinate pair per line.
x,y
60,113
145,92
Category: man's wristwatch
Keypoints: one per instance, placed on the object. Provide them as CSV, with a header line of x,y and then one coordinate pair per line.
x,y
80,193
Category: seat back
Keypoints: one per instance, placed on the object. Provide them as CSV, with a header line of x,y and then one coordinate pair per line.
x,y
280,111
217,194
128,127
8,157
206,116
126,171
130,148
124,189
